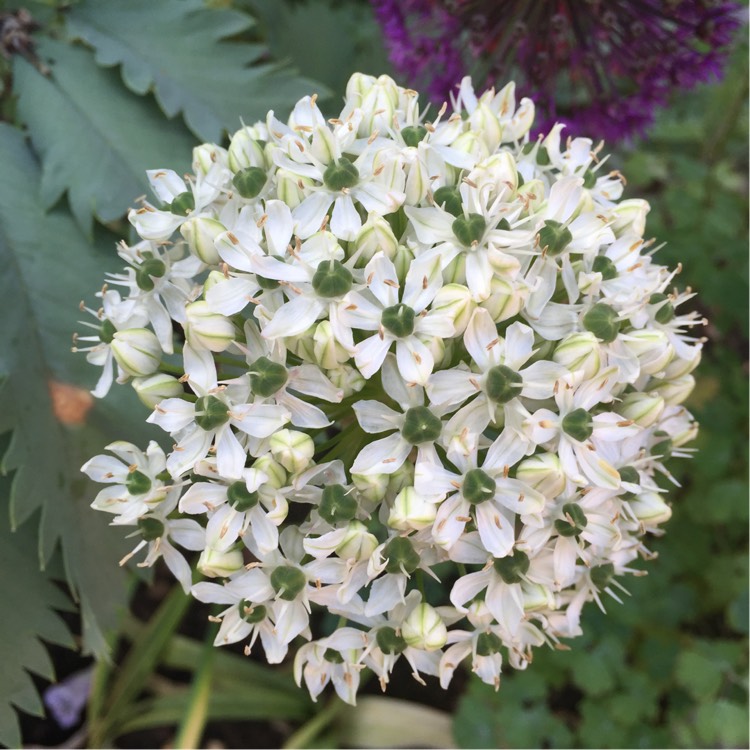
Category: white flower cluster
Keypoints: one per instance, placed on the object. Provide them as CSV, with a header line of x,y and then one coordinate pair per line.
x,y
419,373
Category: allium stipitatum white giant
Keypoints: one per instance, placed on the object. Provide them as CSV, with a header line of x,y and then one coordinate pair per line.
x,y
385,348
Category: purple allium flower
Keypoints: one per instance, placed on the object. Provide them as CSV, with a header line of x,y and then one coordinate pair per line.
x,y
600,66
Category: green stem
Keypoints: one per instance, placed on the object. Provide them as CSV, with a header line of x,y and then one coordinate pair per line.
x,y
305,735
194,719
420,584
171,369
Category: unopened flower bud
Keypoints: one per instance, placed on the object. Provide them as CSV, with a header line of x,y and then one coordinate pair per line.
x,y
292,449
372,487
532,194
137,351
471,143
456,301
206,156
274,471
347,379
680,366
290,187
650,508
327,351
200,232
245,151
506,299
215,564
402,477
536,596
579,352
643,408
378,104
629,217
206,329
154,389
543,473
402,260
424,629
652,348
411,511
675,391
358,544
375,236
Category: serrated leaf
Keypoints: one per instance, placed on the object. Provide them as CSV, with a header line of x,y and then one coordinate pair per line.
x,y
30,599
95,138
48,264
175,49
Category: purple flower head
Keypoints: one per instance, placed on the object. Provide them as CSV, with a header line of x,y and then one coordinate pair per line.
x,y
600,66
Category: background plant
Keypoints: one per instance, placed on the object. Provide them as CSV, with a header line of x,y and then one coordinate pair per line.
x,y
675,656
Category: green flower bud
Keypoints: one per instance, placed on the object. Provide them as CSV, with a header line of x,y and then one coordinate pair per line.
x,y
456,301
449,199
478,486
332,279
421,426
252,613
288,581
399,320
372,487
337,504
488,644
512,568
650,508
602,321
629,474
152,267
604,266
554,237
665,313
390,642
250,181
340,174
675,391
137,483
240,497
210,413
182,204
267,377
400,556
151,528
578,424
575,520
413,135
470,229
602,575
503,384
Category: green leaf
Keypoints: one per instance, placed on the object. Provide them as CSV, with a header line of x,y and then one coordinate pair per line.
x,y
489,719
47,264
96,140
175,49
30,598
700,675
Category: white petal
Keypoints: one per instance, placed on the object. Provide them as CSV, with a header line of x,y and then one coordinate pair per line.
x,y
294,317
308,216
345,221
374,417
370,353
415,360
383,456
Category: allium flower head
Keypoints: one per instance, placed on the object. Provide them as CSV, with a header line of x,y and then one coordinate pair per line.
x,y
383,348
602,66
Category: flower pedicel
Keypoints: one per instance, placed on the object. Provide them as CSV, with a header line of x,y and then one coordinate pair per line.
x,y
444,350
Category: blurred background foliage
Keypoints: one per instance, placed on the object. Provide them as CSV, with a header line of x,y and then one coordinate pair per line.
x,y
94,92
